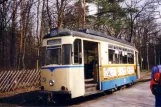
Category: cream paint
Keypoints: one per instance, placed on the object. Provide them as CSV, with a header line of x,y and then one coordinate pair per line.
x,y
70,39
134,57
76,82
104,53
64,40
72,78
58,75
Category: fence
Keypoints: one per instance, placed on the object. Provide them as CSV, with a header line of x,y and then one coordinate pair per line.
x,y
14,80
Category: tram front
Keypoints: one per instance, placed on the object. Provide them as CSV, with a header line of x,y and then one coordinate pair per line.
x,y
56,63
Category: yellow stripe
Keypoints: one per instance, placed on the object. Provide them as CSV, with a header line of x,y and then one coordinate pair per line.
x,y
107,79
102,73
117,66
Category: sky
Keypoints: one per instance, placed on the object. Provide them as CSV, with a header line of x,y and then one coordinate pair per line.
x,y
159,9
92,9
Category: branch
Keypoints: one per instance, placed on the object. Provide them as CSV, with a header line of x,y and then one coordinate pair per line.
x,y
146,4
158,2
1,2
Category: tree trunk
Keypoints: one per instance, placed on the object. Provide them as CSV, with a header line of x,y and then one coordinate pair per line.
x,y
60,10
131,30
37,33
60,22
3,46
140,59
155,57
49,15
23,55
12,45
147,56
84,14
21,34
42,23
37,28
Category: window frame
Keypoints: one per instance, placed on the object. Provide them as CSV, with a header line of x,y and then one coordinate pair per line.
x,y
56,47
80,59
118,57
63,55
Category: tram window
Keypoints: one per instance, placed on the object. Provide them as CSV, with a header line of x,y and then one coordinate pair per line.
x,y
130,58
111,53
116,60
125,59
77,51
43,54
53,55
66,54
121,58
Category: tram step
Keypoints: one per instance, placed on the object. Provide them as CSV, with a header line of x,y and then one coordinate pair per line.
x,y
89,89
93,92
90,85
89,80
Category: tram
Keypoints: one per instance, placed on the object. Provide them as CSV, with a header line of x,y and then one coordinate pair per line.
x,y
80,63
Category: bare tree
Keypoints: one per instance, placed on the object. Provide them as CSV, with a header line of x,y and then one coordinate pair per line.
x,y
134,10
3,1
84,14
12,45
5,17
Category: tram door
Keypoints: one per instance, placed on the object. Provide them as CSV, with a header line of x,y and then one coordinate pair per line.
x,y
91,66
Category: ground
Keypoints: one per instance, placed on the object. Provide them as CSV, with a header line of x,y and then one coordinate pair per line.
x,y
138,95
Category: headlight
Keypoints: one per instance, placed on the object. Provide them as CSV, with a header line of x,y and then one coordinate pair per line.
x,y
51,82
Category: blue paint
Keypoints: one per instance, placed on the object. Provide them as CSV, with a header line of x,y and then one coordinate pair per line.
x,y
55,67
106,85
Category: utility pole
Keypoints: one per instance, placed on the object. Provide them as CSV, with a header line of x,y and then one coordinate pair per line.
x,y
84,14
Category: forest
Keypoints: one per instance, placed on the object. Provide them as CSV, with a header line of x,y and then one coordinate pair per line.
x,y
23,23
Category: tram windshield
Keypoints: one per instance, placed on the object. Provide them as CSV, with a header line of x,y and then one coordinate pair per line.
x,y
57,55
53,55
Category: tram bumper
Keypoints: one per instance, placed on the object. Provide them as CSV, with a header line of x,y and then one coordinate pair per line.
x,y
55,95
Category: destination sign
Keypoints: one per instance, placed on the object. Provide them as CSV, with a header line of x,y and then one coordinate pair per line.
x,y
54,41
54,32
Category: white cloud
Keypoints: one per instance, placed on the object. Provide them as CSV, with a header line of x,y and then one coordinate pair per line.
x,y
92,9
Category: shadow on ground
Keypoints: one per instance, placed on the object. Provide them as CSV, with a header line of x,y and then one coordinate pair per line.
x,y
22,99
32,99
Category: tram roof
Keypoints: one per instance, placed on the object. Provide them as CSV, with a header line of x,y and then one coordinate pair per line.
x,y
86,33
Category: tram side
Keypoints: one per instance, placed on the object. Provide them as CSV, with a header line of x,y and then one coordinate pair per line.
x,y
118,65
